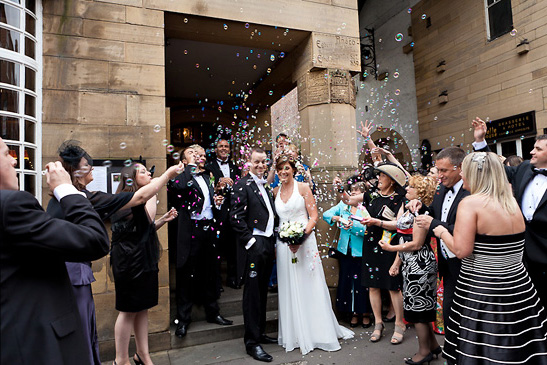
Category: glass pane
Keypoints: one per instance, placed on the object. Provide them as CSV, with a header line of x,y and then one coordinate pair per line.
x,y
30,184
508,148
30,161
30,105
9,72
527,147
9,101
14,152
30,24
500,18
30,131
9,39
31,5
16,1
30,79
9,128
30,48
10,15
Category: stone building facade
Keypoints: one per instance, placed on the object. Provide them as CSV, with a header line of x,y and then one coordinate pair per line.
x,y
96,72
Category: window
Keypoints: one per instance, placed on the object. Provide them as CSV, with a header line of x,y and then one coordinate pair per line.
x,y
520,147
20,88
499,18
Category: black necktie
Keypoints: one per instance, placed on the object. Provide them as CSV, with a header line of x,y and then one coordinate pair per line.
x,y
222,162
446,190
538,171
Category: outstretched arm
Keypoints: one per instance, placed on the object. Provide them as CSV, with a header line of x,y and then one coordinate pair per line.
x,y
461,243
365,133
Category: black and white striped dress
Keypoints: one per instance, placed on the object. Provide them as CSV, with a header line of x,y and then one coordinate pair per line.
x,y
496,317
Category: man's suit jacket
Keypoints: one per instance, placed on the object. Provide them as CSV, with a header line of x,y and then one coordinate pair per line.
x,y
39,318
436,212
535,247
249,211
191,200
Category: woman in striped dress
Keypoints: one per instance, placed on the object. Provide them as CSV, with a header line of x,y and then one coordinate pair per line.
x,y
496,317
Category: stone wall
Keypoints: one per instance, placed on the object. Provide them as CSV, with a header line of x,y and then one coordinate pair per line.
x,y
103,85
483,78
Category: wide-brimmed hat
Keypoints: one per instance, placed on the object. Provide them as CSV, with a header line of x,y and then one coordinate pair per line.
x,y
394,172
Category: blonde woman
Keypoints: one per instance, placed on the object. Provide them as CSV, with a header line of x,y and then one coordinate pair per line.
x,y
496,315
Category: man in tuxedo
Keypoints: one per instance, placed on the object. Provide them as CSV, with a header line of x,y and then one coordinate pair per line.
x,y
253,219
226,173
443,212
529,183
39,318
197,257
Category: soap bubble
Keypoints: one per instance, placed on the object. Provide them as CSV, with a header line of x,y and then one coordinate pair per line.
x,y
170,148
514,32
129,182
395,74
424,16
399,37
165,142
127,163
397,92
157,128
107,164
176,156
123,145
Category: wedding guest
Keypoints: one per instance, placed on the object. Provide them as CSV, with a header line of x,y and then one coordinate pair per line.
x,y
351,297
79,165
134,260
225,173
39,315
443,211
529,183
197,257
419,269
513,160
382,206
496,316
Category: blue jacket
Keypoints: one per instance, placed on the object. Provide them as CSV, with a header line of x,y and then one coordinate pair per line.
x,y
353,236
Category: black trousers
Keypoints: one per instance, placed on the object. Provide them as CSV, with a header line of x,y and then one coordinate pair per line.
x,y
227,246
450,273
197,278
257,272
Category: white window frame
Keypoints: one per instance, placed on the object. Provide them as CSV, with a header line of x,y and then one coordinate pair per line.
x,y
22,61
487,17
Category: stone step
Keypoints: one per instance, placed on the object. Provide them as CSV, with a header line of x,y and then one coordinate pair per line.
x,y
230,304
201,332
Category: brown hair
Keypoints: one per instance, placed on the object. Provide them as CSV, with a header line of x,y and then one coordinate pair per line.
x,y
425,187
128,176
282,160
454,154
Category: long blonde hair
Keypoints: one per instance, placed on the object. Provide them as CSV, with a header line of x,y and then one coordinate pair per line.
x,y
485,175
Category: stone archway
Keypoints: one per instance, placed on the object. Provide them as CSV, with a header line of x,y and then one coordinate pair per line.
x,y
383,137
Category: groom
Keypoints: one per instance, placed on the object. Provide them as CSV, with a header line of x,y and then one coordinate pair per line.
x,y
253,219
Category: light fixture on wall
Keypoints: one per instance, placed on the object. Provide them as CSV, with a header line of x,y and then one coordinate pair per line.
x,y
523,47
441,67
368,55
443,97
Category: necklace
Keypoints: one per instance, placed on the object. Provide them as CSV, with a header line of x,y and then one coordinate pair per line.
x,y
386,196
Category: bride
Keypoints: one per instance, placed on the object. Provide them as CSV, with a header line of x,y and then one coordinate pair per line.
x,y
306,319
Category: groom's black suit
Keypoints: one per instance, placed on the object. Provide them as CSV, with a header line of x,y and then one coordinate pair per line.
x,y
449,269
248,212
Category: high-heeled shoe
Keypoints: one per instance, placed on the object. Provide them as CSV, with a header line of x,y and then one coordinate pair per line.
x,y
352,324
376,337
426,359
436,352
138,360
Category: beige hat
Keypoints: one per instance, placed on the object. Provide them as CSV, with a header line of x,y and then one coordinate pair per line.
x,y
394,172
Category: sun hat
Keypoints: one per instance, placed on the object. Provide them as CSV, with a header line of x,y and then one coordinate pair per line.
x,y
394,172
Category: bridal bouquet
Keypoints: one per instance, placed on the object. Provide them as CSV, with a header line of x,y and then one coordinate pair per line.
x,y
292,233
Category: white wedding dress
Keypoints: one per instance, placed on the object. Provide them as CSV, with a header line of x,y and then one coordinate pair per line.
x,y
306,319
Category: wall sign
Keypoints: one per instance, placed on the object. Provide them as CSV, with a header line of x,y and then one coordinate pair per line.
x,y
510,127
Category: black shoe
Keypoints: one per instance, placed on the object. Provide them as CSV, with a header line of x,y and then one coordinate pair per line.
x,y
181,331
437,352
138,360
426,359
272,289
220,320
258,353
387,320
366,325
267,339
232,284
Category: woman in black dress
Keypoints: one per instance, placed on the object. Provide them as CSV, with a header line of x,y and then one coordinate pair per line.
x,y
134,259
79,164
382,206
419,268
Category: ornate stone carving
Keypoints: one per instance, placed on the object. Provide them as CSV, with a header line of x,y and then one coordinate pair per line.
x,y
326,86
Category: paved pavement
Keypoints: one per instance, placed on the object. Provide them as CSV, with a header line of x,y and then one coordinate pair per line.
x,y
358,350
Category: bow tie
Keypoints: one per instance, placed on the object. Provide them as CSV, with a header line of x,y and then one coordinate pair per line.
x,y
223,162
538,171
261,181
446,190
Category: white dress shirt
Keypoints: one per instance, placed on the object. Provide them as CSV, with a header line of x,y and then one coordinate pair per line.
x,y
532,195
66,189
270,226
224,167
207,210
445,208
